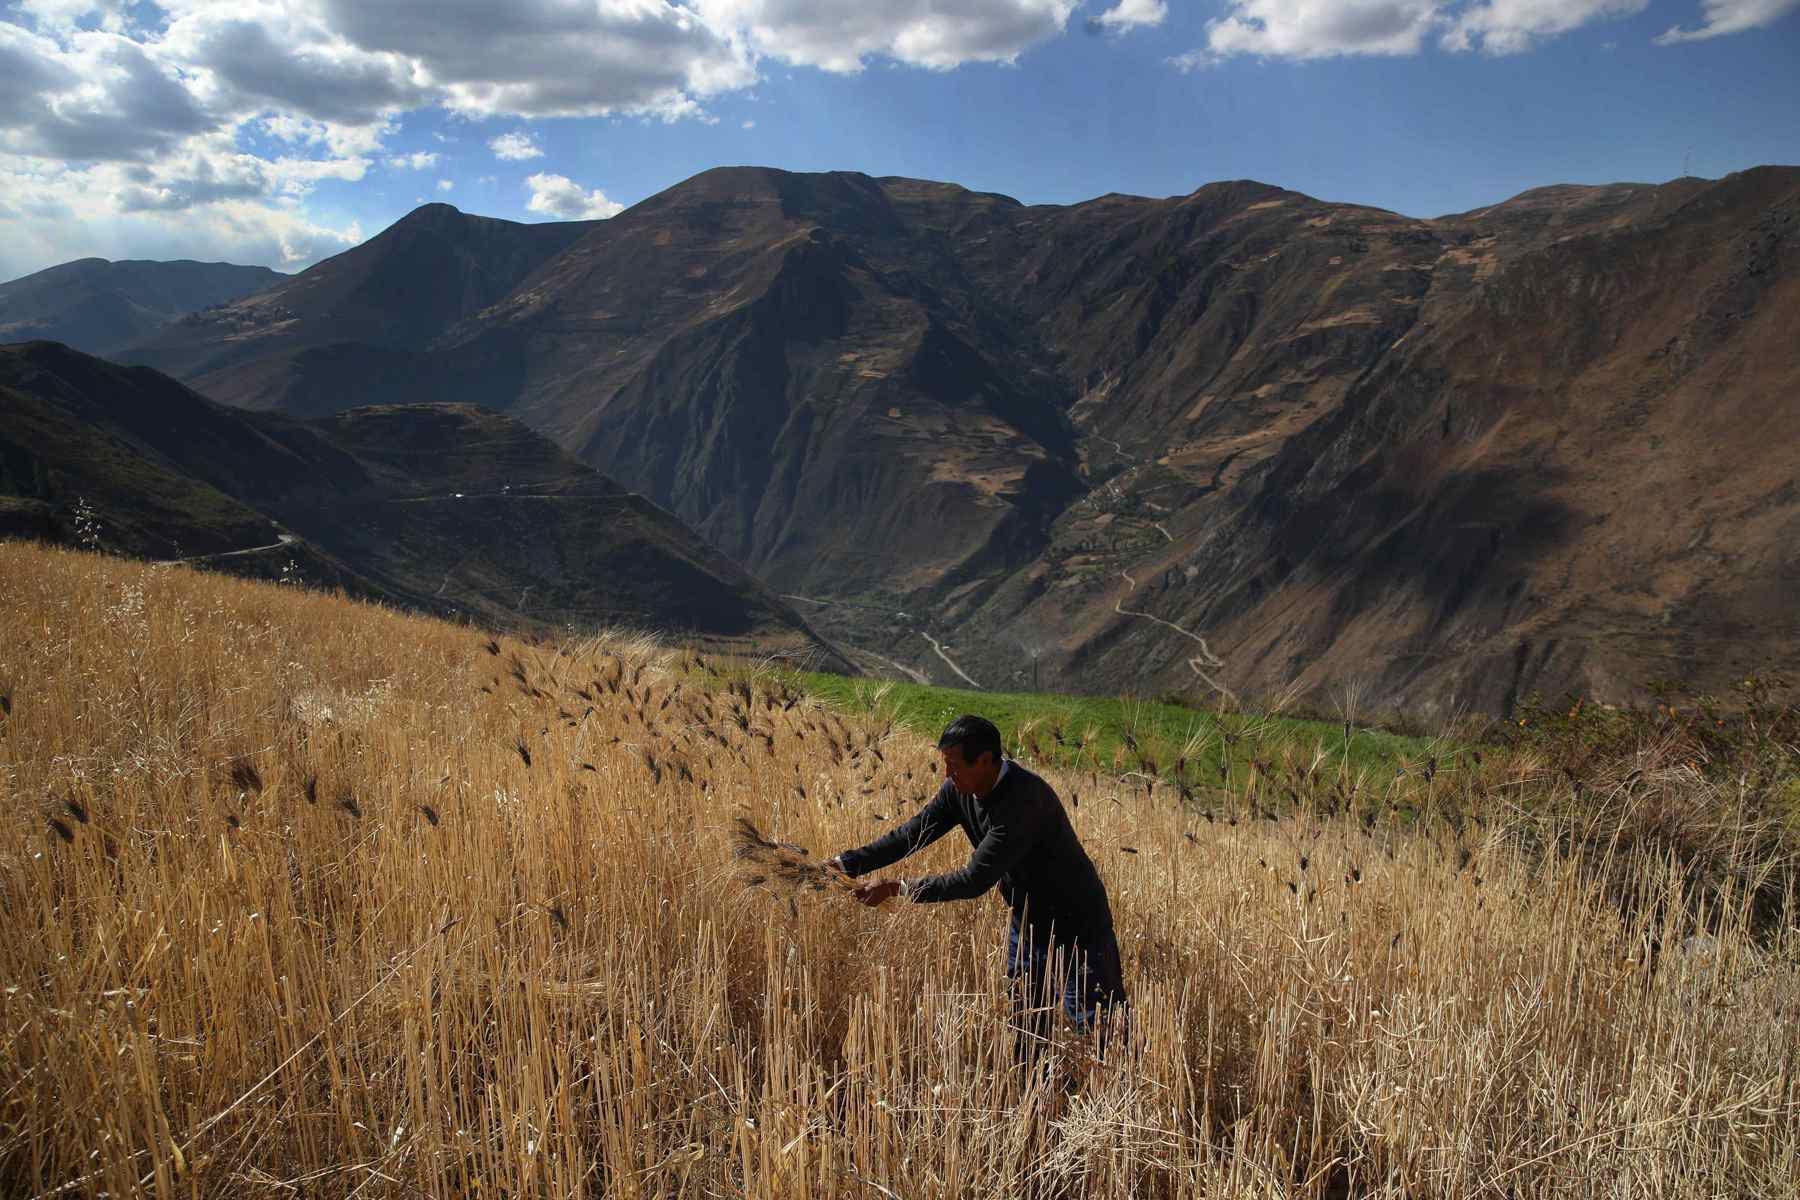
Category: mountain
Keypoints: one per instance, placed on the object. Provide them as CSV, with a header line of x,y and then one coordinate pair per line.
x,y
1544,457
337,329
100,306
1435,464
447,509
1239,439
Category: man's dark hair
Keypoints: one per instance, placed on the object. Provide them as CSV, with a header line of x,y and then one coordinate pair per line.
x,y
972,736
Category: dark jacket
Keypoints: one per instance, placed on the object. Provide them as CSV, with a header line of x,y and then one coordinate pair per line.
x,y
1023,841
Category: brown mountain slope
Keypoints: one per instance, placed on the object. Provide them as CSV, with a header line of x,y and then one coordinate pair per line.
x,y
1572,472
786,363
1445,460
449,509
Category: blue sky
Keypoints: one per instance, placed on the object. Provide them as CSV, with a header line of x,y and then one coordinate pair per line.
x,y
281,131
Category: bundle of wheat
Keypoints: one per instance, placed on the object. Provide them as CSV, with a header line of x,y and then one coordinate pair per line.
x,y
781,867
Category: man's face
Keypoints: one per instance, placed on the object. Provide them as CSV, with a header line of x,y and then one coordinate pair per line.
x,y
970,778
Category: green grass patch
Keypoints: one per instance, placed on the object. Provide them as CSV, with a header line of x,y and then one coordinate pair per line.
x,y
1202,748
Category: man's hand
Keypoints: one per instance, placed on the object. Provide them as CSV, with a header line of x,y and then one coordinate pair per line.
x,y
876,894
872,894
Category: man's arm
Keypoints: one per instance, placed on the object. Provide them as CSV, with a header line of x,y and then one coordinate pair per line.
x,y
1005,844
927,826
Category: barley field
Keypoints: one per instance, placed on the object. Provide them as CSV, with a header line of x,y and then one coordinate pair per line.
x,y
301,897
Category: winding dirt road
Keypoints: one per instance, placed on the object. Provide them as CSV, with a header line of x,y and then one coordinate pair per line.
x,y
287,539
948,659
1205,659
917,676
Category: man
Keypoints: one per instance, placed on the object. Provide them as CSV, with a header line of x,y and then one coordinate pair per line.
x,y
1060,944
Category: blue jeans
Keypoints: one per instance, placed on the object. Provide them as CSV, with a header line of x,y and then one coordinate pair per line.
x,y
1083,977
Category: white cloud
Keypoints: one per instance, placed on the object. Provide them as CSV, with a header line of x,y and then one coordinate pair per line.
x,y
561,197
280,55
749,124
93,97
93,80
418,160
842,35
353,62
445,185
1307,29
1127,15
1314,29
204,173
1513,26
515,146
1729,16
347,141
110,15
548,57
60,213
130,138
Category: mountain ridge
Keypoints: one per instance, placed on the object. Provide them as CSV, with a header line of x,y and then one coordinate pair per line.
x,y
393,294
1220,411
99,306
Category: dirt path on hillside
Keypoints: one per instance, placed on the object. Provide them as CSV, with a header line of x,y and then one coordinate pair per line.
x,y
507,496
915,675
948,659
287,539
881,608
1200,663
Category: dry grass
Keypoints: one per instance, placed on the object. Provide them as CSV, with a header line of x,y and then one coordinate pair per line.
x,y
304,897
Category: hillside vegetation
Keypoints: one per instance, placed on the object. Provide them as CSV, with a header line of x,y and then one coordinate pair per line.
x,y
304,896
1205,754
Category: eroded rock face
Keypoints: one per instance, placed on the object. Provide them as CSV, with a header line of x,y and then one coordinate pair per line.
x,y
1536,446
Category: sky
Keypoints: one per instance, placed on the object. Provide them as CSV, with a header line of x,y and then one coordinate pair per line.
x,y
280,132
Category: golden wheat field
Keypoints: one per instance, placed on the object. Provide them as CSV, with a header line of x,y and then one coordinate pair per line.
x,y
300,897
